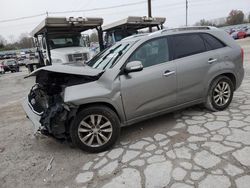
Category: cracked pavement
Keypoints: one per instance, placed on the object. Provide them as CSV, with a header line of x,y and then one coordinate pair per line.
x,y
188,148
203,149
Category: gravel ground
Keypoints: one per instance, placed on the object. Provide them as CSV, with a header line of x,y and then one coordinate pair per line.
x,y
189,148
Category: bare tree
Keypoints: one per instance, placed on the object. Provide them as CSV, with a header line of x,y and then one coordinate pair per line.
x,y
235,17
25,41
93,37
204,22
3,42
11,38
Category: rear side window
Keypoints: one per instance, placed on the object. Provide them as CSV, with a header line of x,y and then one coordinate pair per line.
x,y
211,42
189,44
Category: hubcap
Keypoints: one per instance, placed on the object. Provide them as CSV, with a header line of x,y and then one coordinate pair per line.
x,y
222,93
95,130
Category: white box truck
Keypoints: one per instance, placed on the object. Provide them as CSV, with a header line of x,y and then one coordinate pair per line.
x,y
59,39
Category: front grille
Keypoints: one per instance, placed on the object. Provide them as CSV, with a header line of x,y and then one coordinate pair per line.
x,y
78,57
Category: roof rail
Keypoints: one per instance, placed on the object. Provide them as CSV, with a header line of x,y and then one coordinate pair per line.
x,y
135,36
184,29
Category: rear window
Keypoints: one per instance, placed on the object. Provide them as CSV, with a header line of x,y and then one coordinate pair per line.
x,y
188,44
10,62
211,42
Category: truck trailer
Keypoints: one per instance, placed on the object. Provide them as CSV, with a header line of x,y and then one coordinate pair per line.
x,y
131,25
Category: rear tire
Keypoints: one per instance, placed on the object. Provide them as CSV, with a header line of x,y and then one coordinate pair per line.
x,y
95,129
220,94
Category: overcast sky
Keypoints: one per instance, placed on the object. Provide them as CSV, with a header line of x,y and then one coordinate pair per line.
x,y
173,10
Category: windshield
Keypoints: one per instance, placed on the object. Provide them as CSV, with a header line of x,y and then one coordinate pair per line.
x,y
67,40
107,58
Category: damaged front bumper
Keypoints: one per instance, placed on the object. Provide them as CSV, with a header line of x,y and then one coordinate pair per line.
x,y
35,119
53,121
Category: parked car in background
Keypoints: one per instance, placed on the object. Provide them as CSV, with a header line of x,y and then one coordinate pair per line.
x,y
1,69
21,61
239,34
247,30
23,55
138,78
10,65
1,56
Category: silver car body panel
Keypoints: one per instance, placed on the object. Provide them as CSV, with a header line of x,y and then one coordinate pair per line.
x,y
141,95
34,118
69,69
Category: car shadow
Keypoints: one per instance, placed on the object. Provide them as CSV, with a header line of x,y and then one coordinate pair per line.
x,y
148,128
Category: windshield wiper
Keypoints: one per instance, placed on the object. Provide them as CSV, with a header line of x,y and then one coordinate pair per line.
x,y
116,57
110,52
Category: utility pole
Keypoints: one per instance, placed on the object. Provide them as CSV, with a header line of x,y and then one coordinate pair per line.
x,y
149,13
186,13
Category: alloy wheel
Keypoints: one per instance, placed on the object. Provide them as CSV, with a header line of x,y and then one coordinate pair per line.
x,y
222,93
95,130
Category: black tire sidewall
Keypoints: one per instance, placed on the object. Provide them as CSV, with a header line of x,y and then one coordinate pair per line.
x,y
102,110
214,84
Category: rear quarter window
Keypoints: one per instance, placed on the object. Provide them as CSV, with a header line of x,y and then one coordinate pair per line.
x,y
211,42
188,44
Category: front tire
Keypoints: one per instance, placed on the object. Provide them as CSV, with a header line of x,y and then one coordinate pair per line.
x,y
95,129
220,94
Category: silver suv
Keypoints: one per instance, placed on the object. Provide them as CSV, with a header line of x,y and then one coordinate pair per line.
x,y
136,79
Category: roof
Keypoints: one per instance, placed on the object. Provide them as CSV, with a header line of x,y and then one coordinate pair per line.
x,y
135,22
184,29
169,31
63,24
136,36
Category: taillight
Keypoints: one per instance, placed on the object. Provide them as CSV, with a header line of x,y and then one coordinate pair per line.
x,y
242,55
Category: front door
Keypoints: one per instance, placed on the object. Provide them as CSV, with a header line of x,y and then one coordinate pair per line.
x,y
154,88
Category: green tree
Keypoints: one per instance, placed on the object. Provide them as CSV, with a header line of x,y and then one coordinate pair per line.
x,y
235,17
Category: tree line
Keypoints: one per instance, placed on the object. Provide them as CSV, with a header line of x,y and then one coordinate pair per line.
x,y
24,41
235,17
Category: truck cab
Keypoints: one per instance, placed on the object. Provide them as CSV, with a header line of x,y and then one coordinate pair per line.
x,y
131,25
59,40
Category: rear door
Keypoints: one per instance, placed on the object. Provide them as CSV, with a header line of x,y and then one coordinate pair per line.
x,y
154,88
192,62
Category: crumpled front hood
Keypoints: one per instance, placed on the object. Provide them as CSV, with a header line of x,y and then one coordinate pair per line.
x,y
83,70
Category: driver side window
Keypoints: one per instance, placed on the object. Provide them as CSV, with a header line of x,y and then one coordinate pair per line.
x,y
152,53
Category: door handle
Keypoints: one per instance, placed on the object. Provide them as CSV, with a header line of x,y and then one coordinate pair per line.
x,y
168,73
212,60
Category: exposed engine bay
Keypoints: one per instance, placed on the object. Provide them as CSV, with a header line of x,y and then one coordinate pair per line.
x,y
46,100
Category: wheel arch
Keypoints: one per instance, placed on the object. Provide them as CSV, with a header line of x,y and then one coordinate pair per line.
x,y
102,103
230,75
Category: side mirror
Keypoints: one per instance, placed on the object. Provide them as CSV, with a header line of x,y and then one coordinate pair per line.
x,y
133,66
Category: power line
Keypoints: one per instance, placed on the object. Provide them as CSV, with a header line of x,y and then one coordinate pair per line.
x,y
90,10
23,18
74,11
101,8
